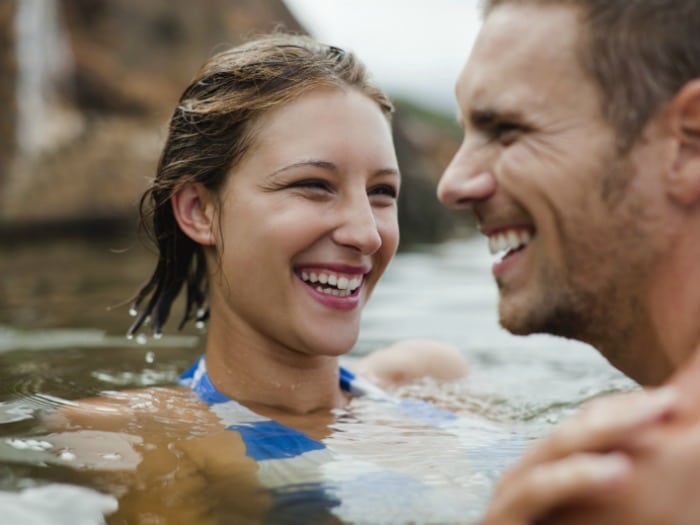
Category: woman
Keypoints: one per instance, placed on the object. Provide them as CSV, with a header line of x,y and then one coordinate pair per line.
x,y
274,206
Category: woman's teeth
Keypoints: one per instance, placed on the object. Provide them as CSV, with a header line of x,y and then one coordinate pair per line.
x,y
342,286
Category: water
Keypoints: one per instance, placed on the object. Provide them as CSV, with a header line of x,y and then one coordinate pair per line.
x,y
61,339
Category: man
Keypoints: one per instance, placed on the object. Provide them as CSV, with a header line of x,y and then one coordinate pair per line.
x,y
581,163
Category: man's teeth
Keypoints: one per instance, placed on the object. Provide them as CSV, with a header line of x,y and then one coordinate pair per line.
x,y
344,286
508,240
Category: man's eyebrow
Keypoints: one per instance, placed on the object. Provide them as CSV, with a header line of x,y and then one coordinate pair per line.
x,y
482,118
487,117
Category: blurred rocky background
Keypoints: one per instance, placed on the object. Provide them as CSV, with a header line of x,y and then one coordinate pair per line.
x,y
87,89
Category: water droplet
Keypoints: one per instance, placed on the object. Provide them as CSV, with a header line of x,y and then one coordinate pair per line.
x,y
150,357
67,456
141,339
200,325
133,312
129,336
35,444
112,456
17,443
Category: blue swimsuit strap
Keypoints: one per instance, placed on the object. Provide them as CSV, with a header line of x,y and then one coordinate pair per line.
x,y
267,439
197,378
264,438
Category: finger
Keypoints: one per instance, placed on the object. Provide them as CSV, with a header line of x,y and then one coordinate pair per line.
x,y
551,485
604,424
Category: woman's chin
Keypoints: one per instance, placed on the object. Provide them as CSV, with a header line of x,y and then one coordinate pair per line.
x,y
332,344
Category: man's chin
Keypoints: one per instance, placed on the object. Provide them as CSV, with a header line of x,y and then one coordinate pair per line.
x,y
517,316
560,322
518,328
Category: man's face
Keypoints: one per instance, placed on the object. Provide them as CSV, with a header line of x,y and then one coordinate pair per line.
x,y
571,219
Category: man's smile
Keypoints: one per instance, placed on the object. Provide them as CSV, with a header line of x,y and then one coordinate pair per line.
x,y
509,239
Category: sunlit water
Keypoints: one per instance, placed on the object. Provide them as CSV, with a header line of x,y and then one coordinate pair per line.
x,y
381,465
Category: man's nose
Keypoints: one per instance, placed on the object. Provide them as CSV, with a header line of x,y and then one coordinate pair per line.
x,y
465,182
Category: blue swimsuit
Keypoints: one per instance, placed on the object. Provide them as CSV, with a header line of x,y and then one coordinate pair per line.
x,y
266,439
310,480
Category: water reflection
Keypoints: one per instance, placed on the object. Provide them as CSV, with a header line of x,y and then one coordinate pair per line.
x,y
71,284
59,341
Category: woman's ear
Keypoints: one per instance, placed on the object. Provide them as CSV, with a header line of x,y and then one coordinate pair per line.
x,y
193,206
685,119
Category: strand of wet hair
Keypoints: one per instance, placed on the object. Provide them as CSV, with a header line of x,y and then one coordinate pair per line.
x,y
196,291
164,286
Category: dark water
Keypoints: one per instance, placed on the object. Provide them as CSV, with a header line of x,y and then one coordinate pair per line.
x,y
62,338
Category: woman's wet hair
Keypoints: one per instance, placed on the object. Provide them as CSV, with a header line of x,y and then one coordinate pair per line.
x,y
210,132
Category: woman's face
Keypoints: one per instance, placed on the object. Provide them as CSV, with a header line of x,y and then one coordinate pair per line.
x,y
308,224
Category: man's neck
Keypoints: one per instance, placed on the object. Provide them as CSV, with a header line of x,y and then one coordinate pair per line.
x,y
675,302
642,357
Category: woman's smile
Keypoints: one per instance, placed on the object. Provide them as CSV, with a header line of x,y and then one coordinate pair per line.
x,y
333,285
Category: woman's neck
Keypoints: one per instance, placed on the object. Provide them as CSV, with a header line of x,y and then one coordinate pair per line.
x,y
278,378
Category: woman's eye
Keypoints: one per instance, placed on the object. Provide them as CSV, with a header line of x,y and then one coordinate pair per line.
x,y
312,184
384,190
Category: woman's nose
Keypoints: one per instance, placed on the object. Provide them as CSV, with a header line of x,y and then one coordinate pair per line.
x,y
358,227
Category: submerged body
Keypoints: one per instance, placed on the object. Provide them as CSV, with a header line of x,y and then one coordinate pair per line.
x,y
194,455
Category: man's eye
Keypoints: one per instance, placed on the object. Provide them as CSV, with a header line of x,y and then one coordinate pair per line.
x,y
506,132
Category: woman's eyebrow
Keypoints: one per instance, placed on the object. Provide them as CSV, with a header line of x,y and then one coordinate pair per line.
x,y
328,166
315,163
387,171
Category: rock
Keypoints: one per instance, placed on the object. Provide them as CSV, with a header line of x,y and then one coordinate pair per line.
x,y
103,125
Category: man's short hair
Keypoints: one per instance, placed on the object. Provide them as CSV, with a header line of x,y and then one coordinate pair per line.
x,y
640,52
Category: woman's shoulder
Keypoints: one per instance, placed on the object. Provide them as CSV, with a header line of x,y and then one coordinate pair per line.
x,y
114,409
135,426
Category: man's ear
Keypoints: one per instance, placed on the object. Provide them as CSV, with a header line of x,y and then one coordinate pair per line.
x,y
685,121
193,206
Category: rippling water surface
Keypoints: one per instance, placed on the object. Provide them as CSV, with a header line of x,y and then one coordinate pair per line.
x,y
61,339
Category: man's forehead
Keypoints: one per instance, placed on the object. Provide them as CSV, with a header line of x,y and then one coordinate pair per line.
x,y
520,48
